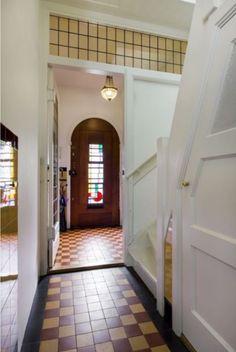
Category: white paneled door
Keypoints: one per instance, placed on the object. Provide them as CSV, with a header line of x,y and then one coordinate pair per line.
x,y
209,202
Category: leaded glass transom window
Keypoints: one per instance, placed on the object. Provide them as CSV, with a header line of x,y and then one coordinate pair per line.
x,y
95,174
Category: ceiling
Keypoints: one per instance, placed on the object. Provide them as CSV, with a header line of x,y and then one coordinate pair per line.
x,y
175,14
75,78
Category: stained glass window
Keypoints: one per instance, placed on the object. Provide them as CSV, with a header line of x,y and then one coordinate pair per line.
x,y
95,174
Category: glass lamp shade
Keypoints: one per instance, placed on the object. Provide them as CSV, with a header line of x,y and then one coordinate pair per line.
x,y
109,92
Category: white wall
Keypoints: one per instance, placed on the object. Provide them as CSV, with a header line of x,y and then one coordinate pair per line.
x,y
78,104
154,105
20,114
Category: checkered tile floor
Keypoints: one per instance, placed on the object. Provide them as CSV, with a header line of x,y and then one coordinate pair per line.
x,y
8,292
96,311
89,247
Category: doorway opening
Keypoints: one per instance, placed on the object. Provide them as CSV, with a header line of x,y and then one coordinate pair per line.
x,y
89,171
94,174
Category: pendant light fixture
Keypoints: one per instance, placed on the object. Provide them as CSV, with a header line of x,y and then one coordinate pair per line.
x,y
109,91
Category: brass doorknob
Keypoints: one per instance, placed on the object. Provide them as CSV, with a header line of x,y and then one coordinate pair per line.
x,y
185,184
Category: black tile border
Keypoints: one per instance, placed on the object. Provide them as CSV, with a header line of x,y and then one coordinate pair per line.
x,y
73,269
31,340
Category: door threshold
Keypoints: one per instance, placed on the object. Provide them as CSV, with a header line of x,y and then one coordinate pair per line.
x,y
84,268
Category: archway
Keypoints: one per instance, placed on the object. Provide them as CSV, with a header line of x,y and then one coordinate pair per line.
x,y
94,174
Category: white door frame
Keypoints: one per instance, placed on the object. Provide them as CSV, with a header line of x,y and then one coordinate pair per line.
x,y
102,69
53,228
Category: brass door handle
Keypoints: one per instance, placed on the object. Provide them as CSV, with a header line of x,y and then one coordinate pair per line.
x,y
185,184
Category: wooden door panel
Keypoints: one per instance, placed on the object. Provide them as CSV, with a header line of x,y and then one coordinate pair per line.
x,y
94,131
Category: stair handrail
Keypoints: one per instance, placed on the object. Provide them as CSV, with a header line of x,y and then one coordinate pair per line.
x,y
141,166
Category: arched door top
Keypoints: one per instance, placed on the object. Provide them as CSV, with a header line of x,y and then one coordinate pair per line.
x,y
94,174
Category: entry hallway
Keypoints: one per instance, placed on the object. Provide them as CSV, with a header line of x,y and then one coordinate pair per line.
x,y
105,310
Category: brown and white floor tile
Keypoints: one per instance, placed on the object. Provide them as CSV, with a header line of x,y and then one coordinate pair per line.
x,y
98,311
89,247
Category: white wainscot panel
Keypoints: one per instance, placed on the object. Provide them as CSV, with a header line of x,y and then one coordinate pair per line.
x,y
215,296
220,175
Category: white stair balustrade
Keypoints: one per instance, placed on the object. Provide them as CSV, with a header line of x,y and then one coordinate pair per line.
x,y
142,244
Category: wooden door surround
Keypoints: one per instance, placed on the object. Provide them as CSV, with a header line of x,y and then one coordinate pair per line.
x,y
94,131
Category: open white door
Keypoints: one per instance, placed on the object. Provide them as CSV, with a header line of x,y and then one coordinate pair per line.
x,y
209,203
53,175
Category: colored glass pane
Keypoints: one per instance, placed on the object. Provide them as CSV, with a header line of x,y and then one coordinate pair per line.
x,y
95,174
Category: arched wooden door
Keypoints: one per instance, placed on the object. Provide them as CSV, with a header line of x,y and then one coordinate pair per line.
x,y
94,174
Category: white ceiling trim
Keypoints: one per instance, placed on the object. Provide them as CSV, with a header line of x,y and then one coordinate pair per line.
x,y
110,20
109,3
190,1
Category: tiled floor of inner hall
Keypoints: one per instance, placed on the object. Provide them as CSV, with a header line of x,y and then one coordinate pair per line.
x,y
103,310
89,247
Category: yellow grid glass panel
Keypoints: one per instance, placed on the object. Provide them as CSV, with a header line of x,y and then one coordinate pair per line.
x,y
145,39
161,43
73,40
129,61
93,44
177,45
73,26
97,42
129,37
53,37
54,22
137,38
63,51
153,54
145,64
83,42
169,44
93,56
102,45
63,38
53,49
93,30
73,53
137,63
111,47
63,24
83,28
145,53
111,33
120,35
102,33
153,41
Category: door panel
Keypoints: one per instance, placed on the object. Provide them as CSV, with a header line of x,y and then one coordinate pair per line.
x,y
209,208
94,132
